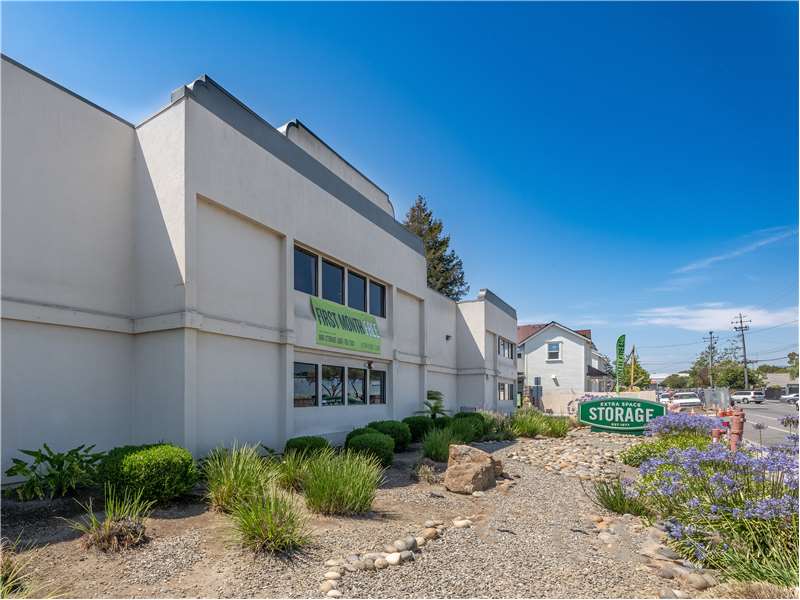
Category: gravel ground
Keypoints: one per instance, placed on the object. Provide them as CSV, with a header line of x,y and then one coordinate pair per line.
x,y
531,543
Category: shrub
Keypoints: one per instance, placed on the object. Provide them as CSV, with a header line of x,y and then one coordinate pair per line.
x,y
682,423
465,431
419,426
636,455
356,432
234,474
160,471
343,483
732,511
436,444
290,470
54,473
616,496
15,571
270,522
307,444
379,445
475,417
497,427
122,525
399,432
434,405
442,422
530,423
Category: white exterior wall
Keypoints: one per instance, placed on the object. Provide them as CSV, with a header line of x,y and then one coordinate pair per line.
x,y
564,379
162,306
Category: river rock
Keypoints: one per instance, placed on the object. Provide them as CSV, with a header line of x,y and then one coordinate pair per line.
x,y
469,470
430,533
393,558
332,575
406,555
327,586
697,581
334,594
381,563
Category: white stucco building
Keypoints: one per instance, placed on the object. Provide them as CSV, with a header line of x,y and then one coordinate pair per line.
x,y
158,280
563,363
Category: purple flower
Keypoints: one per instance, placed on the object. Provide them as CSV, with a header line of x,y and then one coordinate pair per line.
x,y
682,422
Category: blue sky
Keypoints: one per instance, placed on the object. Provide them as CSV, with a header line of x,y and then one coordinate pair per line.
x,y
626,167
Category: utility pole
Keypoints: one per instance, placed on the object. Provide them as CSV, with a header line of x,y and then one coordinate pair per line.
x,y
740,324
711,339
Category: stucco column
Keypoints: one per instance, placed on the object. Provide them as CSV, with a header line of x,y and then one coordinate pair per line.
x,y
190,388
286,414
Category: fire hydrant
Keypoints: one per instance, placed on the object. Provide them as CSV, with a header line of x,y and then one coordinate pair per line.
x,y
737,428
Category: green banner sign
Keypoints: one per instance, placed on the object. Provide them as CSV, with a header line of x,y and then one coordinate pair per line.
x,y
622,415
620,366
343,327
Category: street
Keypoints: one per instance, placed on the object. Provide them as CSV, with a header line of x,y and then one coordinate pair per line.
x,y
769,414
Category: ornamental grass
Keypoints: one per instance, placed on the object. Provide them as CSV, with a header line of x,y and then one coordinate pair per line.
x,y
342,483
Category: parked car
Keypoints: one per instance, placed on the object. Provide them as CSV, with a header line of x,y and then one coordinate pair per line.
x,y
790,398
748,396
686,400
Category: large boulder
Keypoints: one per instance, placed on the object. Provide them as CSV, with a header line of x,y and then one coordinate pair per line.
x,y
469,470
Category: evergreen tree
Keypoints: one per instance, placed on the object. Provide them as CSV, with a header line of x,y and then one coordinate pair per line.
x,y
445,269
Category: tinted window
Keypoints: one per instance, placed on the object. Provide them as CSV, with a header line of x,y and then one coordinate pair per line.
x,y
356,291
332,282
356,382
377,387
305,271
332,385
377,299
553,351
305,384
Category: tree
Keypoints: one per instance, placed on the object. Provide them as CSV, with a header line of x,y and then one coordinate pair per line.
x,y
772,369
445,269
676,381
793,367
727,371
641,378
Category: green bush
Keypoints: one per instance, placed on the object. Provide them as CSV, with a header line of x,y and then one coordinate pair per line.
x,y
379,445
466,430
341,483
234,474
442,422
419,426
161,471
530,423
54,473
290,470
614,496
475,417
123,521
399,432
498,427
356,432
436,444
636,455
270,522
307,444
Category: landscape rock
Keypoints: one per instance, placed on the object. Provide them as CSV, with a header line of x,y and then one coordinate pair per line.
x,y
430,533
421,541
411,543
406,555
462,523
399,545
381,563
468,470
697,581
390,549
393,559
327,586
332,575
334,594
333,562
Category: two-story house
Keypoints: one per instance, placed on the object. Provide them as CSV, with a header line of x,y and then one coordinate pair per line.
x,y
560,364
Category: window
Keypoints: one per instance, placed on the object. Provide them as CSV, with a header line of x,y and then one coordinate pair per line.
x,y
305,384
356,382
501,391
537,381
356,291
332,282
332,384
553,350
505,348
305,271
377,387
377,299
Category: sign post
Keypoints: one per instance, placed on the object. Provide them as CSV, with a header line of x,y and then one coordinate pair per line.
x,y
619,415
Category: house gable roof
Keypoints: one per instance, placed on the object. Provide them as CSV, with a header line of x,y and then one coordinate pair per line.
x,y
525,332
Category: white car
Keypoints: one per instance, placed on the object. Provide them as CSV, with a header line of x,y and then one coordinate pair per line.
x,y
790,398
687,400
748,396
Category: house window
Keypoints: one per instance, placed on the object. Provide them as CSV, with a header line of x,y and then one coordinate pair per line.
x,y
537,381
305,384
332,384
356,382
332,282
305,271
501,392
356,291
377,299
505,348
377,387
553,350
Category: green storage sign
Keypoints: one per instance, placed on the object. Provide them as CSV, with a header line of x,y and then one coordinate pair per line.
x,y
343,327
622,415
